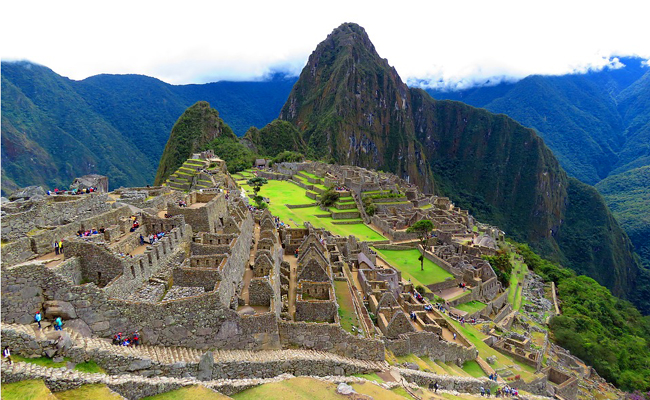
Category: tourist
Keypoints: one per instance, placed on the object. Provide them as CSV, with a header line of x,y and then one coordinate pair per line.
x,y
454,336
435,387
61,246
38,317
58,324
56,247
7,354
117,339
135,338
482,389
141,240
487,392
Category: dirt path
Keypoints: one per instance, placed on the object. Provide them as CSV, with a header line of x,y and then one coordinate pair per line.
x,y
248,273
293,268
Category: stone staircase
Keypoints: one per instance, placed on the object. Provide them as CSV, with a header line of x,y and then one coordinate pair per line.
x,y
93,347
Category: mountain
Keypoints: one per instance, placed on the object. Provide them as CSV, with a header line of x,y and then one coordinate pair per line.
x,y
628,196
351,106
55,129
274,138
596,123
199,125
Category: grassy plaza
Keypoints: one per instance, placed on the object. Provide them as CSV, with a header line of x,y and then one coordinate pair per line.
x,y
407,262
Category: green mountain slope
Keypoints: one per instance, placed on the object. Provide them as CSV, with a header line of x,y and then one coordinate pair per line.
x,y
350,104
50,134
198,126
628,196
44,115
597,124
352,107
274,138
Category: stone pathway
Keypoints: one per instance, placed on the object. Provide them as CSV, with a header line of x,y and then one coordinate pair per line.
x,y
175,354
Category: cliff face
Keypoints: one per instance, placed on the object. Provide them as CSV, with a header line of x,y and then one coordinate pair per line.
x,y
350,105
197,127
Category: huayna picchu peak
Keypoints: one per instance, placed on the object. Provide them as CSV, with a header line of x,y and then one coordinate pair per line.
x,y
351,106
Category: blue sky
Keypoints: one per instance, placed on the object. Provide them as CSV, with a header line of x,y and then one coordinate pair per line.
x,y
453,43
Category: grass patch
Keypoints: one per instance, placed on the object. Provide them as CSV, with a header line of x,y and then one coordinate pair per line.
x,y
407,262
26,390
515,290
370,377
471,306
294,389
347,314
90,367
95,392
426,206
412,358
401,391
42,361
376,392
188,393
472,368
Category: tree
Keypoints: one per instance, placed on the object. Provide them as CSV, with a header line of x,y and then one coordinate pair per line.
x,y
257,184
422,228
329,197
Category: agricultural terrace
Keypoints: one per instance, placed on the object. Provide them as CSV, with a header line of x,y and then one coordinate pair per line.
x,y
519,272
407,262
471,307
281,193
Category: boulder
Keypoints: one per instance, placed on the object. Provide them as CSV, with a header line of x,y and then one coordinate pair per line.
x,y
58,308
344,389
491,360
139,364
30,192
205,367
64,342
412,366
80,327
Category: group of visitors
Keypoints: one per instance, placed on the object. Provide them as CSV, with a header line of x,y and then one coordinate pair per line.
x,y
182,203
120,340
90,232
72,192
342,188
58,322
418,296
506,391
413,316
58,247
153,238
463,286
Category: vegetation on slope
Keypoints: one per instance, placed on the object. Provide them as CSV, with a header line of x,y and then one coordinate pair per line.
x,y
55,129
198,126
628,196
601,329
275,138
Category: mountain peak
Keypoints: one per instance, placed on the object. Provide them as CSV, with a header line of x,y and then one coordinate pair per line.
x,y
349,34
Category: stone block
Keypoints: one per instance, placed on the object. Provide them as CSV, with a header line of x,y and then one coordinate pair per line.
x,y
57,308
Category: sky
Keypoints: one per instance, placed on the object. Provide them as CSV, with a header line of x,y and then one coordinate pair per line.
x,y
452,43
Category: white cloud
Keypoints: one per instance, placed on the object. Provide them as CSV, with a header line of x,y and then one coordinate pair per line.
x,y
458,42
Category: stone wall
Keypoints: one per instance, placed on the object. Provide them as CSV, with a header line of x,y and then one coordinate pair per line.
x,y
429,344
329,337
50,212
208,218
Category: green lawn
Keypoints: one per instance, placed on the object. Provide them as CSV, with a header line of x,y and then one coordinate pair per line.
x,y
472,368
189,393
426,206
309,174
42,361
471,307
347,314
95,392
519,271
407,262
26,390
284,192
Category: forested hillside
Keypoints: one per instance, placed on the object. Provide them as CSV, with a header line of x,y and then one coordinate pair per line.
x,y
55,129
597,124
